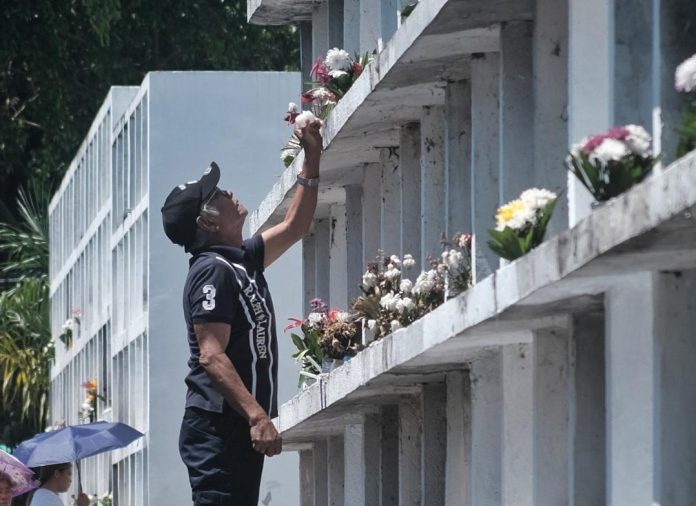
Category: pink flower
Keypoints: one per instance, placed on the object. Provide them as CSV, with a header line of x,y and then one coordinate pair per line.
x,y
320,71
295,323
357,69
594,142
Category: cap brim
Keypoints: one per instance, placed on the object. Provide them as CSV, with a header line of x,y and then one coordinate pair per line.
x,y
210,179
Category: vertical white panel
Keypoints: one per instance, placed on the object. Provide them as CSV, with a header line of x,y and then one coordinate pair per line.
x,y
336,461
485,158
321,475
369,25
362,460
338,260
372,198
410,444
322,233
320,29
630,391
410,170
458,158
434,451
432,181
390,213
458,468
354,240
309,271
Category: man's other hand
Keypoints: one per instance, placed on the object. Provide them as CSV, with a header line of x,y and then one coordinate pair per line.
x,y
83,500
265,438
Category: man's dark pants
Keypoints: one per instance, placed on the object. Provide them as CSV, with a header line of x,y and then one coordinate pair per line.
x,y
224,469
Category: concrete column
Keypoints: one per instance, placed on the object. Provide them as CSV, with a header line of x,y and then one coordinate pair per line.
x,y
362,461
516,110
432,181
336,471
458,158
369,25
458,468
351,26
321,473
335,15
389,457
372,208
338,259
590,84
306,478
630,363
552,413
485,158
486,430
354,239
589,438
676,355
410,433
306,55
518,425
409,158
434,452
309,271
320,29
390,212
322,238
550,59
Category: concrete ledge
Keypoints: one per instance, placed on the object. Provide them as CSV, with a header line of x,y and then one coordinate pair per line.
x,y
651,227
432,47
278,12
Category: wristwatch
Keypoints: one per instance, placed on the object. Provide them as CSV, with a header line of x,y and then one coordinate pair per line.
x,y
309,182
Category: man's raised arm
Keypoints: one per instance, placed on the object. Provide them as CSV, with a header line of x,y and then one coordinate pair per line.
x,y
298,219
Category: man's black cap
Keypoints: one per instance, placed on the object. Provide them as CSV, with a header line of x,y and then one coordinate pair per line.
x,y
183,205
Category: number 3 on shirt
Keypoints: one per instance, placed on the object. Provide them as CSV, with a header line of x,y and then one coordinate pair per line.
x,y
209,302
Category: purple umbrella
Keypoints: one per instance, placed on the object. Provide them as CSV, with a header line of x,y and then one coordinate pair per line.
x,y
21,475
75,442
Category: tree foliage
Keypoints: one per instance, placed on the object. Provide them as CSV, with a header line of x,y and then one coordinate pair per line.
x,y
59,59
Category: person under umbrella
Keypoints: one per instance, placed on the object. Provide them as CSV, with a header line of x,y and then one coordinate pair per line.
x,y
55,479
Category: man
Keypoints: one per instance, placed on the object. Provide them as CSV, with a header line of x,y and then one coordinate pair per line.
x,y
232,382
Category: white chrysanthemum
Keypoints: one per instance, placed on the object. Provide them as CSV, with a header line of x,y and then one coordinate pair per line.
x,y
69,324
392,273
442,268
343,316
304,118
685,75
390,301
369,279
338,59
87,407
409,261
610,150
455,259
639,140
405,305
395,325
406,286
292,107
371,324
315,319
424,283
537,198
395,260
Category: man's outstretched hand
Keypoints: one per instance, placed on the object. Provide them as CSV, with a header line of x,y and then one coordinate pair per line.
x,y
265,438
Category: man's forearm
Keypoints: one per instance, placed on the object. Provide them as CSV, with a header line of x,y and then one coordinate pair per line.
x,y
301,212
230,385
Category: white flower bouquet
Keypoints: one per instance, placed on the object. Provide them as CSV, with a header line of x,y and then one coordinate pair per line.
x,y
685,82
611,163
521,224
296,119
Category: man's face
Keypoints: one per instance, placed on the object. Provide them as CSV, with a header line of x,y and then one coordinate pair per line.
x,y
232,212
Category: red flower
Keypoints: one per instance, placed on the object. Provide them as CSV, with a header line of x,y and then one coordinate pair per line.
x,y
290,117
307,97
295,323
357,69
320,71
90,385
